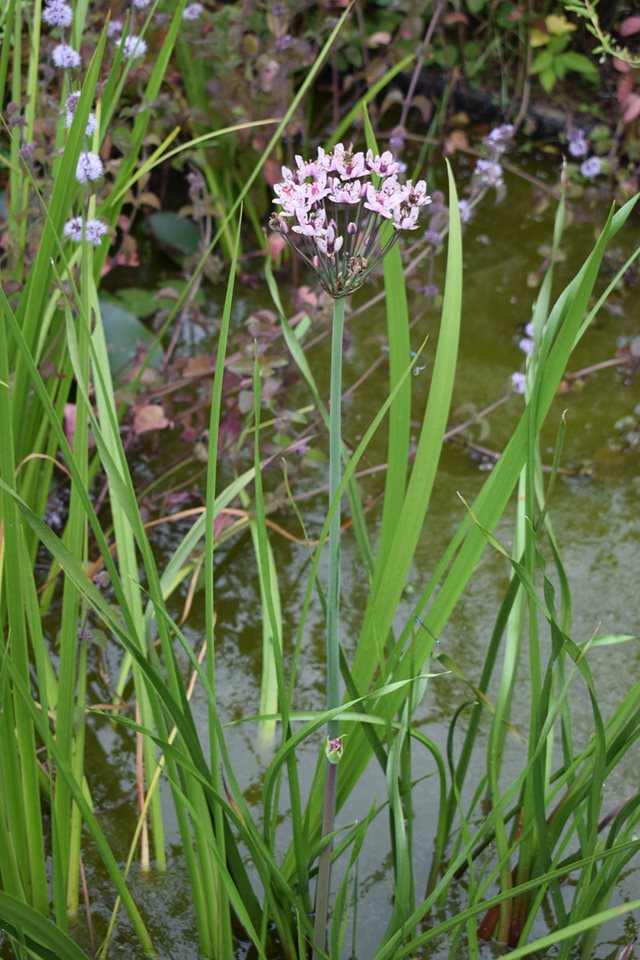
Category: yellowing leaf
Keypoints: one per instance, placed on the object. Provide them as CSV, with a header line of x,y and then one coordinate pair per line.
x,y
557,24
538,38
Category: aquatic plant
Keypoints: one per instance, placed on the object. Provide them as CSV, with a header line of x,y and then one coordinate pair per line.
x,y
347,210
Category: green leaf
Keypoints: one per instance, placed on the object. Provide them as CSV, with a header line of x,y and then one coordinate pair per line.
x,y
124,334
542,61
559,44
548,79
43,938
143,303
475,6
579,63
175,231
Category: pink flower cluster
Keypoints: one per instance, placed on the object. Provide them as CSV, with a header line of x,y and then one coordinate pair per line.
x,y
343,211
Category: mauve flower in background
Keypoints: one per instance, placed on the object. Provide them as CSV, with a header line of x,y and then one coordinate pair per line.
x,y
498,139
397,138
465,210
94,231
284,42
518,380
591,167
114,28
92,123
89,168
526,344
193,11
72,229
133,46
577,142
58,14
488,173
65,57
338,219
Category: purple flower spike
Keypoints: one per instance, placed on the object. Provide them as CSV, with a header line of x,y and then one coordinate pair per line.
x,y
343,223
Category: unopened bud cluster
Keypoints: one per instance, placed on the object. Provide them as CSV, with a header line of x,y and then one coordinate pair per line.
x,y
343,211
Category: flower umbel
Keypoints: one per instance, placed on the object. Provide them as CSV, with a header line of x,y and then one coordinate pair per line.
x,y
343,211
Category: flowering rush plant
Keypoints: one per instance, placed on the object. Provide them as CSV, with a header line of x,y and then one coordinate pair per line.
x,y
343,211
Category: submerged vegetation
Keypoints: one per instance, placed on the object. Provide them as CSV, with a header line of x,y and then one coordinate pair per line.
x,y
147,142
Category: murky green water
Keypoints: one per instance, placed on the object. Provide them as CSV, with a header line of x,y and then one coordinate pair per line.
x,y
596,517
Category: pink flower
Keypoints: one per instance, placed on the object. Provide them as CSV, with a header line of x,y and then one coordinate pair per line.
x,y
290,195
307,168
417,195
310,224
330,243
384,165
317,189
347,163
351,192
381,201
405,218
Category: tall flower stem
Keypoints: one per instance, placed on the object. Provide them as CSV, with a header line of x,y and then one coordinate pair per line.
x,y
333,622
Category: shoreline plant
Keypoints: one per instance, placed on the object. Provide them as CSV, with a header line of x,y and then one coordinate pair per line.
x,y
341,213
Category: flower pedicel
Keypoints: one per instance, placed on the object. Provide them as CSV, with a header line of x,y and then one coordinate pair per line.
x,y
343,211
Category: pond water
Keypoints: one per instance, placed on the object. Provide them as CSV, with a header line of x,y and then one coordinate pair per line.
x,y
594,510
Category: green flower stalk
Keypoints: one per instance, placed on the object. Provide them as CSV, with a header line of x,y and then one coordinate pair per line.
x,y
341,213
